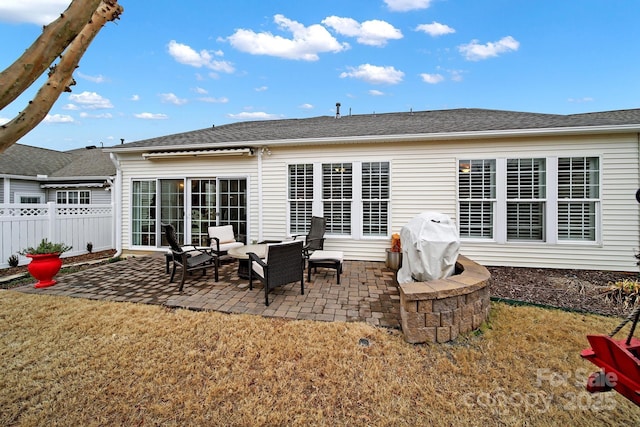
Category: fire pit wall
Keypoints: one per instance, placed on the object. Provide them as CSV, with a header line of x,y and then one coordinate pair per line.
x,y
439,310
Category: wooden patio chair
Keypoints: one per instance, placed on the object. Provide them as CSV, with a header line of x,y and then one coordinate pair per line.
x,y
314,240
283,263
188,258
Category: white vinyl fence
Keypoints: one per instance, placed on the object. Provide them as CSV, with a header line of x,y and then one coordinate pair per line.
x,y
25,225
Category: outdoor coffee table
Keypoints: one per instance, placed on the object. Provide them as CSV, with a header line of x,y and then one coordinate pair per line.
x,y
240,253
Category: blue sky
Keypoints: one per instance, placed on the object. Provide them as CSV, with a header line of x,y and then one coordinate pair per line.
x,y
168,67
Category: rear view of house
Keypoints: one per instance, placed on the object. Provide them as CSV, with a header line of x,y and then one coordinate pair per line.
x,y
524,189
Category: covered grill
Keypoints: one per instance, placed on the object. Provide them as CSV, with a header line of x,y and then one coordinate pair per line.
x,y
430,246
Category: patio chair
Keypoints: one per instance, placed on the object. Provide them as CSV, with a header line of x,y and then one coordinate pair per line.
x,y
222,238
314,240
283,263
189,258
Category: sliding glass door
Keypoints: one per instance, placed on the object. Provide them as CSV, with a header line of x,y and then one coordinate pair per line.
x,y
191,205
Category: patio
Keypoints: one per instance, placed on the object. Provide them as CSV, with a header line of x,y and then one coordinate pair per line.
x,y
367,291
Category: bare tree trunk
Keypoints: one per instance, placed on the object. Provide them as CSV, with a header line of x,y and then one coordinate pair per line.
x,y
52,42
66,33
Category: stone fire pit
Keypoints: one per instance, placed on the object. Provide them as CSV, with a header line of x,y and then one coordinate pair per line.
x,y
438,311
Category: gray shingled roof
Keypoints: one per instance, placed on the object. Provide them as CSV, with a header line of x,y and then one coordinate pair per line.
x,y
368,125
26,160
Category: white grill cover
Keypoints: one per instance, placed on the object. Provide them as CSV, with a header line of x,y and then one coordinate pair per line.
x,y
430,246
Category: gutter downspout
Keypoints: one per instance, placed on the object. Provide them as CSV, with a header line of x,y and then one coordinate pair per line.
x,y
116,195
260,225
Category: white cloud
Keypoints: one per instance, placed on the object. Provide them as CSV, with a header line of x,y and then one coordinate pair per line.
x,y
374,74
39,12
432,78
90,101
96,116
200,90
70,107
151,116
172,98
306,44
261,88
406,5
4,120
372,33
306,106
258,115
212,100
135,97
58,118
374,92
435,29
475,52
95,79
188,56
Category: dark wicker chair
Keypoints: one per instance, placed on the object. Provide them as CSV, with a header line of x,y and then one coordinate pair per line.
x,y
189,259
284,263
314,240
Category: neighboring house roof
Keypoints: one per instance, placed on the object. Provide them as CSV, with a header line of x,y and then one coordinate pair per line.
x,y
437,123
25,160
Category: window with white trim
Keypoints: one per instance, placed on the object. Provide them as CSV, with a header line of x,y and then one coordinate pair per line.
x,y
354,197
477,196
300,197
526,190
578,196
337,196
73,197
375,198
529,199
29,198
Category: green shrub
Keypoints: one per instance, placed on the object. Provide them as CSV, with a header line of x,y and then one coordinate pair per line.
x,y
46,247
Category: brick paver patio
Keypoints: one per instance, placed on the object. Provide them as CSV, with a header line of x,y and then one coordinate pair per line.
x,y
367,291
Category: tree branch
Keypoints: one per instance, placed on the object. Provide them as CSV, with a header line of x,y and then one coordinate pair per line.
x,y
52,42
60,76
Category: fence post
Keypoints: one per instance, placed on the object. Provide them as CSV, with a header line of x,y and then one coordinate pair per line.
x,y
51,214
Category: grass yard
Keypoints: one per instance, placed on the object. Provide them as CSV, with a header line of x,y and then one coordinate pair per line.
x,y
78,362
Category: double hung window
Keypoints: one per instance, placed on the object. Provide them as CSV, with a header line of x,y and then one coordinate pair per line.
x,y
353,197
552,199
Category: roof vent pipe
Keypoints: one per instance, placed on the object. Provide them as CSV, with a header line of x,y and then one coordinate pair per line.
x,y
337,110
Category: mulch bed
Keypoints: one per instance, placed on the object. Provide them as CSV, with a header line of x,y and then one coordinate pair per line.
x,y
65,262
578,290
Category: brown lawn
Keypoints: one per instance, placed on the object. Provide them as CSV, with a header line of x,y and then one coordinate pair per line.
x,y
78,362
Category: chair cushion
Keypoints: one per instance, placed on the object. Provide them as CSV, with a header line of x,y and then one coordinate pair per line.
x,y
327,256
229,245
257,268
223,232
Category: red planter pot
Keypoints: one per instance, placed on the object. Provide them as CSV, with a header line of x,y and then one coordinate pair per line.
x,y
43,267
